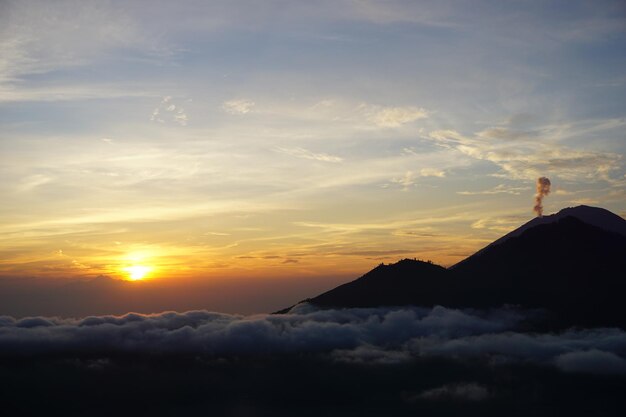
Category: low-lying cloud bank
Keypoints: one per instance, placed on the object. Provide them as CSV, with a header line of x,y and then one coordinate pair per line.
x,y
368,336
467,392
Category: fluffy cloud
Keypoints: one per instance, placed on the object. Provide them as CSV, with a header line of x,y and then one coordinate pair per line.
x,y
407,181
396,116
369,336
215,333
591,361
463,392
238,106
373,355
168,111
410,178
528,157
542,348
432,172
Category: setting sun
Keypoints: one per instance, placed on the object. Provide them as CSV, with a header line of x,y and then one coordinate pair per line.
x,y
137,272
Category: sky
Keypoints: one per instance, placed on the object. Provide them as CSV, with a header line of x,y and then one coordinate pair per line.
x,y
296,143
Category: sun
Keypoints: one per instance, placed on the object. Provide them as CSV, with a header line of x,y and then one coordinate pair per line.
x,y
137,272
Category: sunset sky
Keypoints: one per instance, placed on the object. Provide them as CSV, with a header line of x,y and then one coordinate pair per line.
x,y
216,140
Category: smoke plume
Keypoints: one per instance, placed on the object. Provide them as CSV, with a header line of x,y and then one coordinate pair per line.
x,y
543,189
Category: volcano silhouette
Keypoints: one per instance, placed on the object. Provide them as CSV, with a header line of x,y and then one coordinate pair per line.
x,y
571,264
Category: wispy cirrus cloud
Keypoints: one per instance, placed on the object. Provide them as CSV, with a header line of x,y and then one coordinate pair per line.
x,y
369,115
33,181
39,39
71,92
339,111
502,133
503,224
498,189
307,154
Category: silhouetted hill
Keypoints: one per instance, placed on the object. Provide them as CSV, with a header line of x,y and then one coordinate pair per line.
x,y
405,282
572,264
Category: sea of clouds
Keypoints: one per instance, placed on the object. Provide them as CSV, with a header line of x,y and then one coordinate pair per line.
x,y
364,336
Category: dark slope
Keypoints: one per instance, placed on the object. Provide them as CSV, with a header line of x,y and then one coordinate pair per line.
x,y
405,282
569,267
560,263
595,216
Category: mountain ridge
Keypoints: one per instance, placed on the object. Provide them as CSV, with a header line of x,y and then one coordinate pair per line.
x,y
559,263
595,216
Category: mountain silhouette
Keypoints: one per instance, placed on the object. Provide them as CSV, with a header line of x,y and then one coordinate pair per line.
x,y
594,216
571,264
397,284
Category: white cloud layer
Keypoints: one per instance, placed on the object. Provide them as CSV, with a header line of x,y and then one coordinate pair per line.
x,y
377,336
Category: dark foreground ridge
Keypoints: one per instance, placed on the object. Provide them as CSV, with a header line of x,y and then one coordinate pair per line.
x,y
298,386
571,264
